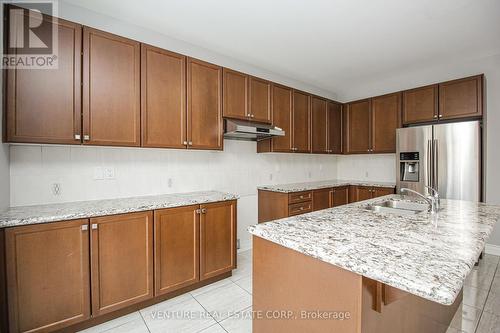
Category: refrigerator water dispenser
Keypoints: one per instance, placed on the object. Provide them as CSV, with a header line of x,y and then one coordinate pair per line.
x,y
409,167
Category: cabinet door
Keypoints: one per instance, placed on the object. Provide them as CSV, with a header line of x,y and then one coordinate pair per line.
x,y
358,127
260,100
420,104
334,115
381,191
204,96
386,111
282,117
44,105
47,275
163,98
301,122
461,98
217,238
177,248
321,199
339,196
121,261
235,94
360,193
111,89
319,125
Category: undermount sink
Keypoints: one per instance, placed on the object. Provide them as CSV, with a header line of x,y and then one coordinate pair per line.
x,y
398,207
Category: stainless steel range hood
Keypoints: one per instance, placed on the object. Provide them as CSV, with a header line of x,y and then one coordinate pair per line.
x,y
249,131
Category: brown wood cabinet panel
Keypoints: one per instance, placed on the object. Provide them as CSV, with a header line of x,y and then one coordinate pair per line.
x,y
44,105
48,275
177,248
163,98
339,196
282,117
301,122
121,261
386,111
381,191
272,205
300,208
461,98
217,238
204,105
235,94
360,193
358,127
321,199
420,104
319,125
111,89
334,115
260,100
299,197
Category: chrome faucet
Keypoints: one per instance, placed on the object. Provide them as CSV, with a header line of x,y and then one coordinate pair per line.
x,y
433,200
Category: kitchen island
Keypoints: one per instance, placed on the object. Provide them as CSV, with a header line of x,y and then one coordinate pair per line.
x,y
350,269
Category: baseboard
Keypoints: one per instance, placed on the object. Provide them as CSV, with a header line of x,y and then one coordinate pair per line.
x,y
492,249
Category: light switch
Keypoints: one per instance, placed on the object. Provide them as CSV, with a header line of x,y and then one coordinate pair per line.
x,y
109,173
98,173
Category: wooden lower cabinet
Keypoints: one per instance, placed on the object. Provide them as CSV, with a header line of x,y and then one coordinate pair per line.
x,y
121,260
217,238
321,199
339,196
360,193
47,275
177,248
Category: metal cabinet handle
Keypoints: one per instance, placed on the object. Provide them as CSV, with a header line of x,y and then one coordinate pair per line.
x,y
185,143
94,226
301,208
198,211
440,116
86,137
435,116
85,227
77,137
190,143
252,116
203,210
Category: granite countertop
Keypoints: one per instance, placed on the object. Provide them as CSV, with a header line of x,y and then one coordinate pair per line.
x,y
423,254
307,186
23,215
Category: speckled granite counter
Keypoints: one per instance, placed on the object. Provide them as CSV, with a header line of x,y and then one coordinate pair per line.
x,y
24,215
307,186
424,255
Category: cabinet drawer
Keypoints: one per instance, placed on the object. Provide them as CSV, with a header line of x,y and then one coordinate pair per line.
x,y
300,208
299,197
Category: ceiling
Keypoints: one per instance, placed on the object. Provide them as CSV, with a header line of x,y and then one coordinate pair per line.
x,y
331,44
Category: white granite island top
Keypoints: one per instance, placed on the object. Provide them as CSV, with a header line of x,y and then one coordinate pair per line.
x,y
428,256
307,186
23,215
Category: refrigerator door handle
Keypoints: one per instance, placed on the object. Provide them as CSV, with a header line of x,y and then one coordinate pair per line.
x,y
436,165
429,169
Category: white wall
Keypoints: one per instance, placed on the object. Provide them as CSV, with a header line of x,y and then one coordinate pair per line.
x,y
139,171
379,167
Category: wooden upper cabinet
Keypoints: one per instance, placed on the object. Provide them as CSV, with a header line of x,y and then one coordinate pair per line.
x,y
121,261
48,277
177,248
259,106
386,111
420,104
461,98
111,89
358,127
163,98
235,94
204,105
301,122
334,116
217,238
319,125
282,117
44,105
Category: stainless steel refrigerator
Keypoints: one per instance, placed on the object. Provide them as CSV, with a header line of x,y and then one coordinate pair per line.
x,y
446,157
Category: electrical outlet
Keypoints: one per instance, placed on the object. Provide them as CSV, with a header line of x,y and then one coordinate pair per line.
x,y
366,174
98,173
238,244
309,174
270,176
170,182
109,173
56,189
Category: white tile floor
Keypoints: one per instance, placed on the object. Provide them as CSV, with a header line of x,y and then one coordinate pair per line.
x,y
225,306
